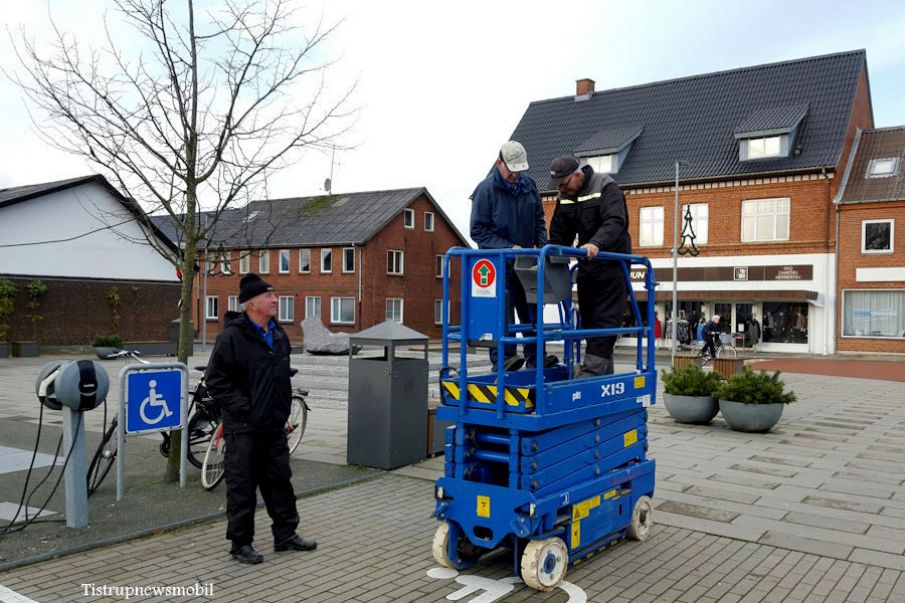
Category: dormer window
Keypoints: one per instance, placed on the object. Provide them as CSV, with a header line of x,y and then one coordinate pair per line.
x,y
882,168
760,148
604,164
769,133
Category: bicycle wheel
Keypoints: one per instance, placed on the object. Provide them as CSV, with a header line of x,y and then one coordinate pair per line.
x,y
295,426
201,427
213,468
103,458
726,351
702,360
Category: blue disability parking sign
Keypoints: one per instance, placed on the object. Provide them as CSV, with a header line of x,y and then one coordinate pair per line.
x,y
154,400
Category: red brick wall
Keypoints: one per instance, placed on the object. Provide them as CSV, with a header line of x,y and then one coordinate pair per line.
x,y
418,287
74,311
862,117
851,258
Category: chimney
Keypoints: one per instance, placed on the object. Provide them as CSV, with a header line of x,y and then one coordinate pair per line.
x,y
584,89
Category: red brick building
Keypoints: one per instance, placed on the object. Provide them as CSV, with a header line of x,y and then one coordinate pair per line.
x,y
871,210
354,259
762,149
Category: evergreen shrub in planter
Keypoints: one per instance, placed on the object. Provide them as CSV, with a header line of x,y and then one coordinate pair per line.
x,y
753,401
688,394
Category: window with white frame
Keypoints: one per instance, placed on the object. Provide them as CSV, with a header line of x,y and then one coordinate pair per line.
x,y
394,309
226,262
429,221
760,148
342,310
603,164
650,226
765,220
212,307
394,262
284,261
877,236
326,260
700,215
882,168
439,266
348,259
438,311
287,308
232,303
264,261
244,262
873,313
304,261
312,307
408,218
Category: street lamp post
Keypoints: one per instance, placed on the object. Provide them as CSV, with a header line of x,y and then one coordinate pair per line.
x,y
675,267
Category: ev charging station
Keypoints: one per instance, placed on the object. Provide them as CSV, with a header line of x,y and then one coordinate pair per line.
x,y
73,387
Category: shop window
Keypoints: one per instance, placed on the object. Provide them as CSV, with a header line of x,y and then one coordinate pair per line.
x,y
785,322
873,313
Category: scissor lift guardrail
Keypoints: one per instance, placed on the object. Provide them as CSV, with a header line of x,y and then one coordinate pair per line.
x,y
538,460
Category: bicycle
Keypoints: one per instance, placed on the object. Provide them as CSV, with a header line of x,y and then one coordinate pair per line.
x,y
723,348
213,468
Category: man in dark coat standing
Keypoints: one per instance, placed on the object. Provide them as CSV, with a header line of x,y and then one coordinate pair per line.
x,y
591,208
248,377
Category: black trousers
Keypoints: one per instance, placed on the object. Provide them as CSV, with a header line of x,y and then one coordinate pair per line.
x,y
258,460
602,298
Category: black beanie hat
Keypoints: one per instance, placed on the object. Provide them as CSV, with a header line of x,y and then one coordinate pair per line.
x,y
251,286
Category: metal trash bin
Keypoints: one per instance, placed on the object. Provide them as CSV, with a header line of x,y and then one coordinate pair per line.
x,y
174,337
387,399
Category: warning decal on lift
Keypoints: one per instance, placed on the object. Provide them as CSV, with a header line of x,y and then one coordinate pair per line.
x,y
483,279
483,506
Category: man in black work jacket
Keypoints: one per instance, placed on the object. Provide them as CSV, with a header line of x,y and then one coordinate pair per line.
x,y
248,377
591,207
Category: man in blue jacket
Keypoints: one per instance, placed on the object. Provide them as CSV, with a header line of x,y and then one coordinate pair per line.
x,y
506,212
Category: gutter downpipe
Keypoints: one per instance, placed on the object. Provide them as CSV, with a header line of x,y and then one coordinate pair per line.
x,y
829,332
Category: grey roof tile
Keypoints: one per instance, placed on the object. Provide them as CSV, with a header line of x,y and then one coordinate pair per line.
x,y
608,140
772,119
880,143
693,119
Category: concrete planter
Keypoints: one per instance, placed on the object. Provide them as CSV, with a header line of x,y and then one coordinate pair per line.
x,y
25,349
751,418
4,350
691,409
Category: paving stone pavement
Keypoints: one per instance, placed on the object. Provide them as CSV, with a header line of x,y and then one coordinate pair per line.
x,y
374,545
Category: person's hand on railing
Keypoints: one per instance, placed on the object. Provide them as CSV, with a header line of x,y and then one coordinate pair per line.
x,y
591,248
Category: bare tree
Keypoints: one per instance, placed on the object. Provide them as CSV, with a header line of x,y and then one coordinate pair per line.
x,y
195,119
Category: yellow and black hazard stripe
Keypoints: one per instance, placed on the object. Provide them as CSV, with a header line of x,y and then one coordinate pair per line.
x,y
486,394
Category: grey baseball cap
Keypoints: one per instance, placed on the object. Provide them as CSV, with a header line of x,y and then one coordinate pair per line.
x,y
514,156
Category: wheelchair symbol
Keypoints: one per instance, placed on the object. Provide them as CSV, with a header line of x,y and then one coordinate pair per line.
x,y
156,400
488,590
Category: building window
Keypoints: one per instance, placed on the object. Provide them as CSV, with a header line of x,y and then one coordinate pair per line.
x,y
439,267
760,148
700,214
394,309
312,307
784,322
348,259
244,263
765,220
394,262
326,260
304,261
877,236
438,311
287,308
284,261
226,262
429,221
232,303
882,168
651,226
408,218
603,164
264,261
212,307
342,310
873,313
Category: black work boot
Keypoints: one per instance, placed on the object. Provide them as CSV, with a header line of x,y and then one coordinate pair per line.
x,y
296,543
246,554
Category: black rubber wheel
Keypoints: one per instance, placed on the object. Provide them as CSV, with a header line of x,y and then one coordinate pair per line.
x,y
103,459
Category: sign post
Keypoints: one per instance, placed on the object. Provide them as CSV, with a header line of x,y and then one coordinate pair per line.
x,y
153,398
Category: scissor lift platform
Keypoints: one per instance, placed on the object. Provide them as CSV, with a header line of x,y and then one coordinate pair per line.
x,y
551,466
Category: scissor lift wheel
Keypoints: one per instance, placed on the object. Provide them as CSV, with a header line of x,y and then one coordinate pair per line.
x,y
642,519
468,552
544,563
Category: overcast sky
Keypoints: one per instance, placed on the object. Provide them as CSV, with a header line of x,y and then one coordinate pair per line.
x,y
443,84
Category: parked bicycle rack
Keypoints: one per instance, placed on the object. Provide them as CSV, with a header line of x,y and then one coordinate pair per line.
x,y
538,461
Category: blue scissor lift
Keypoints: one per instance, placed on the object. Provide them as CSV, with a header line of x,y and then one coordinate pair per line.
x,y
553,467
